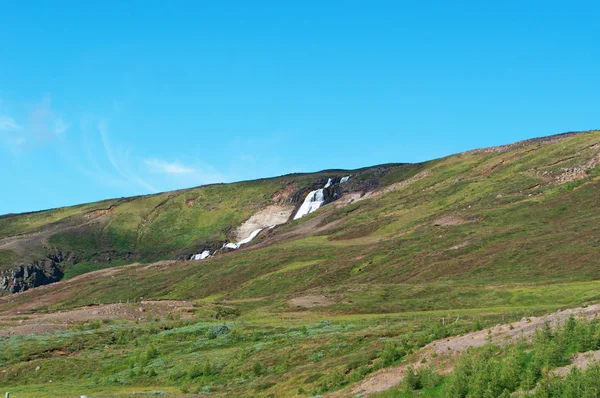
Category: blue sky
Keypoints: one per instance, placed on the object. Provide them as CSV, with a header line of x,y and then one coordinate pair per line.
x,y
103,99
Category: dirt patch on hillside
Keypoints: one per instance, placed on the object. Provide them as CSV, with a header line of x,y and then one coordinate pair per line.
x,y
51,322
351,197
267,217
99,212
285,194
580,361
311,301
503,334
441,353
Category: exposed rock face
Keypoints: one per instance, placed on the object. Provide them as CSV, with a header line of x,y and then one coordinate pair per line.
x,y
330,193
38,273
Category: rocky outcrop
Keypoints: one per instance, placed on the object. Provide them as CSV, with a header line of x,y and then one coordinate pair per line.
x,y
37,273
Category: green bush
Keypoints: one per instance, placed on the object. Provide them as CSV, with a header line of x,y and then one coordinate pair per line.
x,y
217,331
391,353
416,379
257,369
411,379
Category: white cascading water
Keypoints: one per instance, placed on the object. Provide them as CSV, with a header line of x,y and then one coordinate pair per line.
x,y
344,179
243,241
313,201
201,256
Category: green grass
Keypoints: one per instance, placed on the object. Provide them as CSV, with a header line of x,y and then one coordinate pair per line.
x,y
527,245
8,257
186,355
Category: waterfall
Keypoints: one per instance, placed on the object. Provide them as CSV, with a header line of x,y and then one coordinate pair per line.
x,y
344,179
249,238
201,256
243,241
313,201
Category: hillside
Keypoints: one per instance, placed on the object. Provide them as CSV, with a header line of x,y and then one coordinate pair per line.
x,y
312,305
70,241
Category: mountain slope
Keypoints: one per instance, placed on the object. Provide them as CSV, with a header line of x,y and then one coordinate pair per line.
x,y
172,225
478,237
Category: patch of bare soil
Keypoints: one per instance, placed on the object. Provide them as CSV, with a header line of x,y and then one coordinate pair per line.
x,y
447,221
311,301
447,349
351,197
43,323
99,212
580,361
286,193
267,217
315,225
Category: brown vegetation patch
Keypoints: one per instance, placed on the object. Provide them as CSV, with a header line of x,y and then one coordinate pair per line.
x,y
100,212
285,194
311,301
357,232
51,322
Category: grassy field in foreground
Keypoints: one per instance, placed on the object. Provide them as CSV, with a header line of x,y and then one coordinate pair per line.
x,y
253,352
235,358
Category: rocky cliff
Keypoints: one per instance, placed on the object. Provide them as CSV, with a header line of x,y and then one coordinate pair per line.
x,y
37,273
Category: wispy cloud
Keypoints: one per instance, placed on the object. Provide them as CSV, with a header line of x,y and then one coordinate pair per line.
x,y
101,158
7,123
161,166
120,163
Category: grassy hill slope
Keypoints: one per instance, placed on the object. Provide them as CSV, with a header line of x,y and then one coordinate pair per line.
x,y
318,303
170,225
